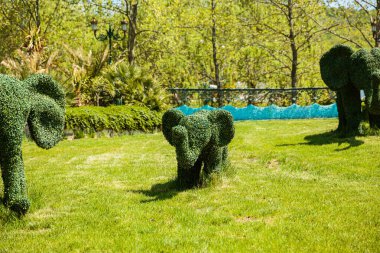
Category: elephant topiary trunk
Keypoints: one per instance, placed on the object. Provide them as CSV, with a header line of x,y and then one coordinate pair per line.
x,y
38,102
200,139
347,72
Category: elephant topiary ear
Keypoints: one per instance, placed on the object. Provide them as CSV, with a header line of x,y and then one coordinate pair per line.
x,y
47,114
334,65
363,65
223,125
170,119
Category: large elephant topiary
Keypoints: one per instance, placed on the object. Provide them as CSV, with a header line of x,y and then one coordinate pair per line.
x,y
38,102
335,66
199,139
347,72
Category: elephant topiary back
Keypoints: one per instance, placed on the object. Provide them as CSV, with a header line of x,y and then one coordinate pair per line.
x,y
47,115
334,65
363,66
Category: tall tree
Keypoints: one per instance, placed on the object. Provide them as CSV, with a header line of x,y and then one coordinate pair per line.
x,y
361,17
289,23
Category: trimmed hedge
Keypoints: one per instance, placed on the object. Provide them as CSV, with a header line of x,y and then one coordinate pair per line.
x,y
115,119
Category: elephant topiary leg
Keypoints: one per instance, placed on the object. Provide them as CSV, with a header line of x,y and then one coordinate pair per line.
x,y
374,120
352,109
225,156
214,160
188,178
341,114
374,108
12,172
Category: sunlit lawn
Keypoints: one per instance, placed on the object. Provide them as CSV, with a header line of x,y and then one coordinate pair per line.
x,y
291,189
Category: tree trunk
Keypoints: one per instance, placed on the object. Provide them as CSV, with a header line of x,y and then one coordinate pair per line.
x,y
294,50
215,52
377,24
132,12
38,19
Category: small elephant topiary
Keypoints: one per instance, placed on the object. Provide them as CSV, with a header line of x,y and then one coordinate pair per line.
x,y
199,139
38,102
347,72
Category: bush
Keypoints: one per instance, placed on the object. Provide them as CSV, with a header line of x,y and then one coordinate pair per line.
x,y
134,85
88,120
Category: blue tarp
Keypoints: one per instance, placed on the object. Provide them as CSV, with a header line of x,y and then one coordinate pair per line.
x,y
252,112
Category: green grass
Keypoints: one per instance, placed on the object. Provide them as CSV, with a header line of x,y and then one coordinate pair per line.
x,y
291,188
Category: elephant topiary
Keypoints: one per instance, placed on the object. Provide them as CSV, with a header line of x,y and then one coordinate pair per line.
x,y
347,72
335,65
38,102
199,139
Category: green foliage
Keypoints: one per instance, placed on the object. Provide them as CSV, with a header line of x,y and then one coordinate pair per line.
x,y
200,139
84,85
38,102
132,84
334,65
173,41
116,119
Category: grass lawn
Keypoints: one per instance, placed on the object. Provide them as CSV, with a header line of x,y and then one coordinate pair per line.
x,y
292,188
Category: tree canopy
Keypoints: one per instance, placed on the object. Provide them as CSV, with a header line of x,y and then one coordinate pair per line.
x,y
178,43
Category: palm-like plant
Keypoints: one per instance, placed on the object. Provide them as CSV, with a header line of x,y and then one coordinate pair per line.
x,y
98,92
85,66
25,64
134,85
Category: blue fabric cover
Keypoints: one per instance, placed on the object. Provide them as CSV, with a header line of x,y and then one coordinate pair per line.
x,y
252,112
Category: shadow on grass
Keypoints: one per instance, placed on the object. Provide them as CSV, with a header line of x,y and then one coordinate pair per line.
x,y
328,138
161,191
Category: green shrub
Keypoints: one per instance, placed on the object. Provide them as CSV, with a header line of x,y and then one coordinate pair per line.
x,y
134,85
88,120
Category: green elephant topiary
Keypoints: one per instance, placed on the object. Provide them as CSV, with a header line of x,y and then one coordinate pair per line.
x,y
199,139
347,72
38,102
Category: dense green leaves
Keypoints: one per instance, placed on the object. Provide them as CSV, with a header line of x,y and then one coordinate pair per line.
x,y
253,43
114,119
